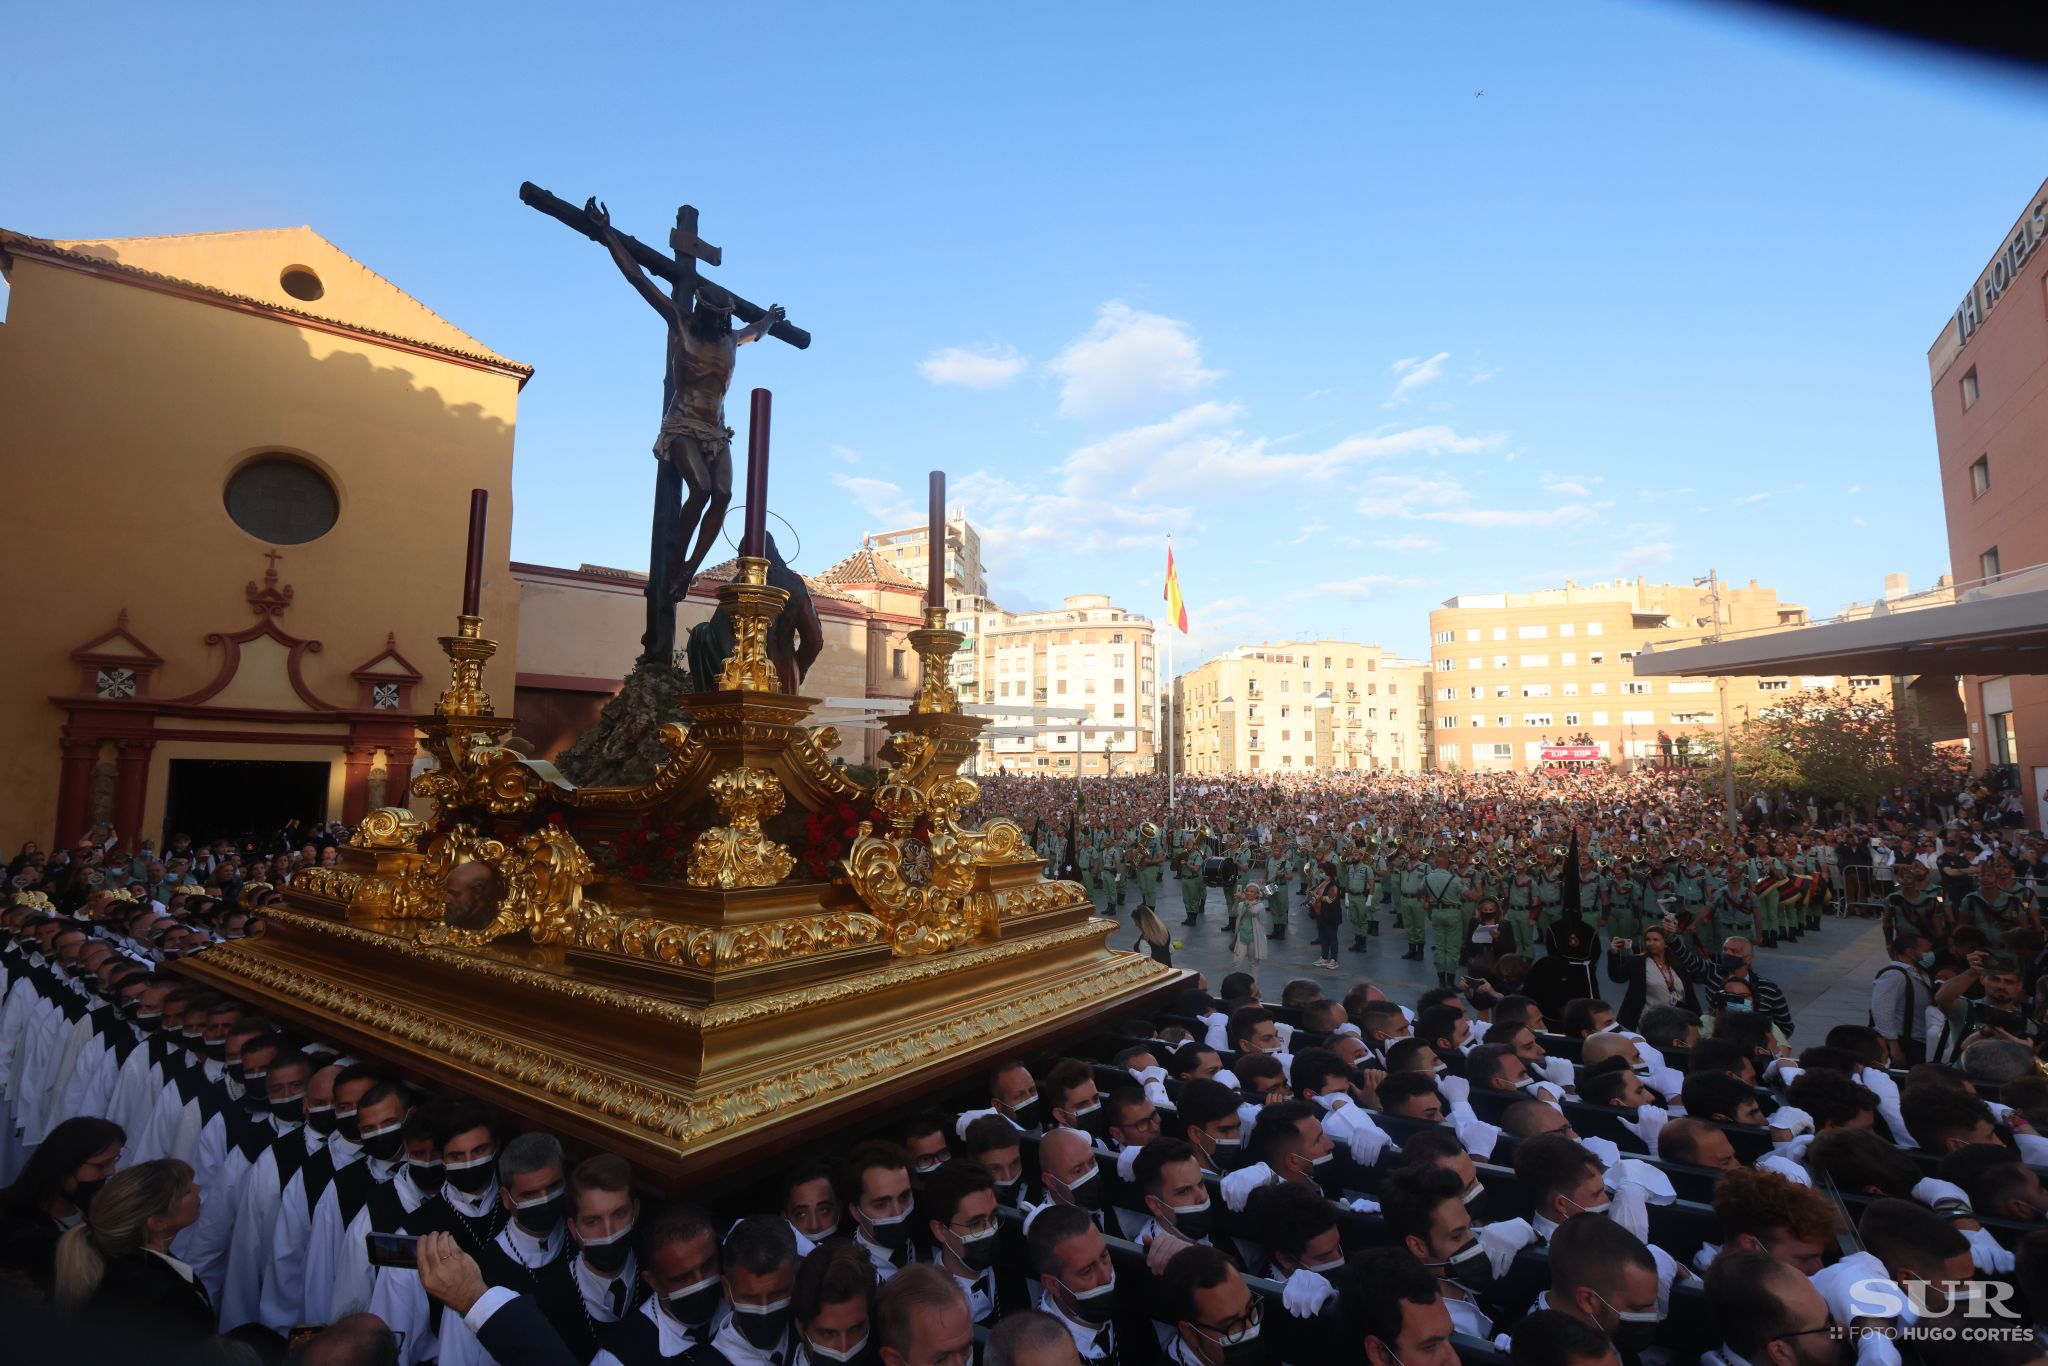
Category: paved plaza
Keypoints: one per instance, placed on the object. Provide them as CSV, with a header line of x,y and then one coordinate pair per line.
x,y
1825,976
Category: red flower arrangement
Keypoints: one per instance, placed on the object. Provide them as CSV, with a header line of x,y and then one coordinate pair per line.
x,y
828,834
656,849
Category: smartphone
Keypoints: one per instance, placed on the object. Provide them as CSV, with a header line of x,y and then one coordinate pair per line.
x,y
393,1249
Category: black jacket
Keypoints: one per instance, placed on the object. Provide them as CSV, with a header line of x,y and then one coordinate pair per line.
x,y
145,1293
1632,968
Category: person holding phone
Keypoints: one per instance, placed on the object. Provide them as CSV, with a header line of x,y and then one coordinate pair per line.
x,y
1654,977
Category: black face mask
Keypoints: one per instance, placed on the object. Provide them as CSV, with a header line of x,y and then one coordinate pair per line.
x,y
1470,1267
894,1235
1194,1224
1093,1307
1007,1192
256,1102
543,1216
217,1049
1090,1122
977,1252
320,1119
426,1175
290,1110
348,1126
83,1193
608,1258
472,1178
1025,1116
1087,1192
762,1330
385,1144
694,1306
1633,1335
235,1073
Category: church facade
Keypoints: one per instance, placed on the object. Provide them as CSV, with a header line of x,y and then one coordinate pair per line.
x,y
240,465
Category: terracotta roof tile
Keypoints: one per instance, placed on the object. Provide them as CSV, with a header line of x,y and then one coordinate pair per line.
x,y
864,566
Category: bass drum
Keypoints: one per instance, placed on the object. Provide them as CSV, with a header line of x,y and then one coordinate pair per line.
x,y
1212,872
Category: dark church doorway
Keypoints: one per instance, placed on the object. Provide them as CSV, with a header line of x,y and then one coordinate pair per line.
x,y
239,799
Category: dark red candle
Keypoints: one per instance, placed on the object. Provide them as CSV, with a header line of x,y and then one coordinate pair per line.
x,y
473,561
754,539
935,571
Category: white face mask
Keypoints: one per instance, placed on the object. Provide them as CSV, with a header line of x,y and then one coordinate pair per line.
x,y
831,1354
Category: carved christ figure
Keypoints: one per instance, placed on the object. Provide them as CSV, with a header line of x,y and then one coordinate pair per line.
x,y
694,444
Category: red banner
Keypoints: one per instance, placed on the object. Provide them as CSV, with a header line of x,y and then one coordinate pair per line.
x,y
1567,754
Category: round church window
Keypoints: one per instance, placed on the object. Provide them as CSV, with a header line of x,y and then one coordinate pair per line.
x,y
301,283
282,501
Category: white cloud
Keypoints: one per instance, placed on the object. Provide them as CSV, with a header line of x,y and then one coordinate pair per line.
x,y
1413,372
974,367
1409,545
1855,488
1359,586
846,455
1564,515
1310,532
1128,360
1569,488
1445,499
1749,498
1484,373
879,498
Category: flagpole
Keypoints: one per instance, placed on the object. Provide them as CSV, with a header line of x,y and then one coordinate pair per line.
x,y
1171,800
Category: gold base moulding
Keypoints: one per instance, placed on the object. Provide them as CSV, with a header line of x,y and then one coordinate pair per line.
x,y
683,1091
745,954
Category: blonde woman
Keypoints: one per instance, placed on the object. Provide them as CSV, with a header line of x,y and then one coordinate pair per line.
x,y
118,1264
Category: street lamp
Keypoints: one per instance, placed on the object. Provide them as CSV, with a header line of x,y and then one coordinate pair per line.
x,y
1712,583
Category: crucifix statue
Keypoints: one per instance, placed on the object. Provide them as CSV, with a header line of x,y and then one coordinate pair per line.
x,y
693,449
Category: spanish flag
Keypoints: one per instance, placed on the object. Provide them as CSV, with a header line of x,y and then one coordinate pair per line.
x,y
1176,609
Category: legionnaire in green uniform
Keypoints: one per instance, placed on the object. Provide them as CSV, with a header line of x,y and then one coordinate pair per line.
x,y
1150,854
1358,896
1521,906
1383,880
1193,894
1445,894
1410,902
1549,897
1084,858
1913,905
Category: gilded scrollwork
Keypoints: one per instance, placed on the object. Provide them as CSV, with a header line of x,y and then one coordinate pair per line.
x,y
535,886
388,827
931,892
481,775
738,854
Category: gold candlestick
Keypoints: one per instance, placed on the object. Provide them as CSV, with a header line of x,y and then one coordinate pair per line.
x,y
751,604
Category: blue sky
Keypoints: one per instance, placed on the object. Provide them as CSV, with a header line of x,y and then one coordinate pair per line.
x,y
1278,281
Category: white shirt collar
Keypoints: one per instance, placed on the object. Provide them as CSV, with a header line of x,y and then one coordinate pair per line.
x,y
527,1250
597,1290
475,1206
172,1262
732,1344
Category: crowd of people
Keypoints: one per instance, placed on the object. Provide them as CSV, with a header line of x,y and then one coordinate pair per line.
x,y
1509,1167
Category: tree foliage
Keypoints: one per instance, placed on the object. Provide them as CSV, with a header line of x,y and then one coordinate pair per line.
x,y
1834,746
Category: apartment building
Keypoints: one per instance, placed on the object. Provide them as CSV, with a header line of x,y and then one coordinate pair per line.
x,y
905,551
1513,673
1086,653
1323,706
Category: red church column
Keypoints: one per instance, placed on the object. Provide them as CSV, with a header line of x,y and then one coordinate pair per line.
x,y
355,787
131,786
74,790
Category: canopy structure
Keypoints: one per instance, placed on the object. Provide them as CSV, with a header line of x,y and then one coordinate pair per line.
x,y
1989,629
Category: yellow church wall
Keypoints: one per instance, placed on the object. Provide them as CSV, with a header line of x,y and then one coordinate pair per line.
x,y
124,409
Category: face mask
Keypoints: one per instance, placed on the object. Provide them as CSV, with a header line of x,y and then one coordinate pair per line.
x,y
1089,1120
1006,1191
1325,1268
383,1144
1926,960
762,1325
256,1101
235,1074
1193,1222
1244,1350
1470,1267
1632,1331
83,1193
1252,1096
472,1177
1475,1201
291,1110
1602,1209
607,1256
540,1215
1739,1007
321,1119
977,1250
426,1175
216,1049
1086,1191
1729,962
693,1305
347,1125
1024,1116
832,1354
148,1019
1093,1307
891,1234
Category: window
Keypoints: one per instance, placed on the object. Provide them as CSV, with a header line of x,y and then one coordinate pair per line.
x,y
1117,712
1117,686
1692,718
281,500
1060,687
1627,656
1446,722
1283,685
1571,690
1500,661
1503,751
1535,661
1283,711
1502,722
1500,633
1598,690
1599,718
1634,689
1970,388
1446,694
1571,718
1476,692
1980,476
896,664
1447,754
1286,735
1500,690
1536,690
1538,719
1471,633
1565,630
1531,632
1863,682
1597,657
1326,661
1444,666
1352,663
1593,628
1691,685
301,283
1773,684
1569,659
1987,565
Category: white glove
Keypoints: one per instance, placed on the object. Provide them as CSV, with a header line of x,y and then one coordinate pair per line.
x,y
1502,1240
1368,1140
1934,1193
966,1118
1986,1254
1358,1204
1456,1090
1560,1072
1479,1137
1604,1149
1149,1074
1238,1186
1788,1121
1305,1294
1785,1167
1127,1161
